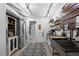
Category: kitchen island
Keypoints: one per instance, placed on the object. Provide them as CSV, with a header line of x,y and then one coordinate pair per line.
x,y
63,46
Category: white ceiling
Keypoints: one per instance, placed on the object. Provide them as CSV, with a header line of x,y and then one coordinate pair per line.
x,y
40,10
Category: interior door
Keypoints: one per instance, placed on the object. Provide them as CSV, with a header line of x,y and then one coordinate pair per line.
x,y
32,30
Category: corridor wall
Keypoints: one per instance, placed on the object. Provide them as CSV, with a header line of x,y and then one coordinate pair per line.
x,y
3,28
27,28
23,34
44,29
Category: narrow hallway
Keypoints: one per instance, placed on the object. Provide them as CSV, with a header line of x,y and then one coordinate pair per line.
x,y
52,30
34,49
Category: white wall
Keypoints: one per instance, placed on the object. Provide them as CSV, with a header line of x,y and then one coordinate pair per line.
x,y
21,33
3,26
27,29
45,27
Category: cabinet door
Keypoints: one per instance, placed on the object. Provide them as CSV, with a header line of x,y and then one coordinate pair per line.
x,y
11,44
15,43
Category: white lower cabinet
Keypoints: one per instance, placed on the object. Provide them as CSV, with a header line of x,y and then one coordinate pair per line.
x,y
13,44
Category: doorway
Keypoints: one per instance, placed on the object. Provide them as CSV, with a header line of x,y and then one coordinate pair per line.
x,y
32,30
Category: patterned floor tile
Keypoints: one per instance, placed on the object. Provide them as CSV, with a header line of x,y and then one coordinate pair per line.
x,y
34,49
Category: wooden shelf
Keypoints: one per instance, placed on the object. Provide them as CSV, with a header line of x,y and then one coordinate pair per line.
x,y
11,27
10,24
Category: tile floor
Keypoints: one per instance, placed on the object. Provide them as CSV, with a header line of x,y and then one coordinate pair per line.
x,y
34,49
